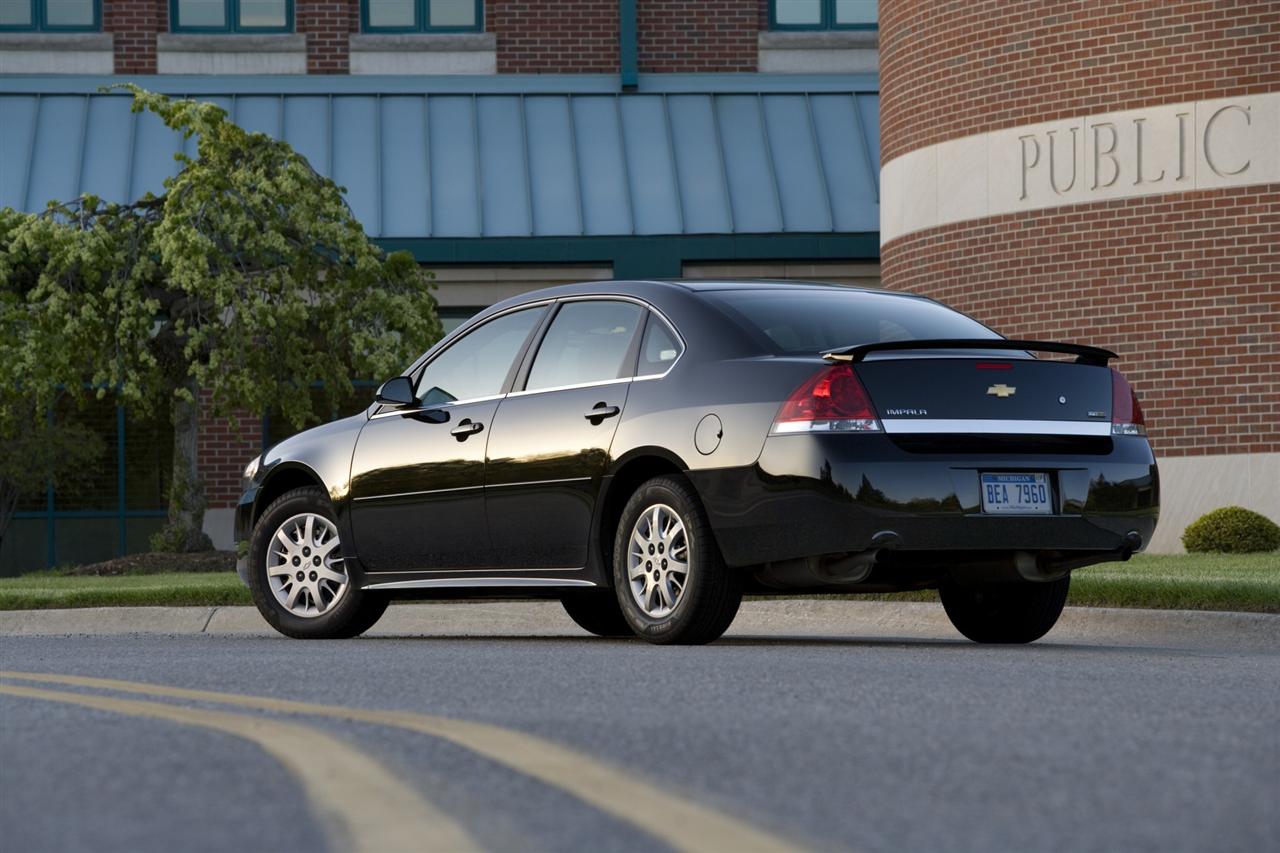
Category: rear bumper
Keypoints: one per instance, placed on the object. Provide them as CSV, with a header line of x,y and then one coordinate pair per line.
x,y
810,495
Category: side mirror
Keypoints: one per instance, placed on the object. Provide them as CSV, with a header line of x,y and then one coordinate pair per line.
x,y
396,392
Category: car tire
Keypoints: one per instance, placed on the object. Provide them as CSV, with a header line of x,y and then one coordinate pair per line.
x,y
597,611
691,611
341,611
1005,612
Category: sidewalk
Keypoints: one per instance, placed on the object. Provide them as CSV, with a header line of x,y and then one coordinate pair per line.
x,y
870,621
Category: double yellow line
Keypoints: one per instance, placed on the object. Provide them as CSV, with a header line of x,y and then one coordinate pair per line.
x,y
368,809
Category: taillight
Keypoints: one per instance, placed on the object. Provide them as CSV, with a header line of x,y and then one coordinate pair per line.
x,y
833,400
1126,411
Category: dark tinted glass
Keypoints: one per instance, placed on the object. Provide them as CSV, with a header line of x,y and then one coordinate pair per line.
x,y
805,321
587,342
477,365
659,349
69,13
15,13
392,13
202,13
263,14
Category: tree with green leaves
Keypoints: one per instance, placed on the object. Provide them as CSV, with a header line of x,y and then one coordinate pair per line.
x,y
246,285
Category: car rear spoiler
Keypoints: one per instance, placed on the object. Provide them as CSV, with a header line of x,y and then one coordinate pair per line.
x,y
1084,354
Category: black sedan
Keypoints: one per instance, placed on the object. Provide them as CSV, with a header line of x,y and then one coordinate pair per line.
x,y
650,451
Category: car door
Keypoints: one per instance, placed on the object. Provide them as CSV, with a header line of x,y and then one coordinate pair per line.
x,y
549,447
417,483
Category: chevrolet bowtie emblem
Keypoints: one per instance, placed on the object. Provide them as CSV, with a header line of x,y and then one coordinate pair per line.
x,y
1002,390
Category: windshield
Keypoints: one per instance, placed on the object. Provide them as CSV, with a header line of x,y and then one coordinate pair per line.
x,y
808,320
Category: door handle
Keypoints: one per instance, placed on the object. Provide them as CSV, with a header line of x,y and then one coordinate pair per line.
x,y
466,427
600,412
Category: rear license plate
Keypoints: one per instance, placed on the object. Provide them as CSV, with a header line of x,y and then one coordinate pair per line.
x,y
1016,494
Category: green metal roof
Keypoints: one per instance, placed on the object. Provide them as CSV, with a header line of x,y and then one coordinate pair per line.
x,y
493,157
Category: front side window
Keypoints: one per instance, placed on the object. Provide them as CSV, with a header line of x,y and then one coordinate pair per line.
x,y
231,16
421,16
587,342
823,14
50,15
478,364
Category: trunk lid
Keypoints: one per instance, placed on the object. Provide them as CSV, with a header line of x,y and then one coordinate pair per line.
x,y
988,395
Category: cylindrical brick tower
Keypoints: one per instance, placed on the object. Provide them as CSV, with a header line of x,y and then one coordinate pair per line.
x,y
1105,173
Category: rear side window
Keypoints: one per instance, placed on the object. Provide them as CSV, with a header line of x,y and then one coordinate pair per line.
x,y
659,350
477,365
587,342
807,321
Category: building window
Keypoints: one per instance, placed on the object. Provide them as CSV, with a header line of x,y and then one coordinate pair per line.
x,y
823,14
421,16
230,16
50,16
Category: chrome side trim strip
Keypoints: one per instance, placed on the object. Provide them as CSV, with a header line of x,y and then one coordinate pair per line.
x,y
485,582
538,482
526,393
408,410
902,426
415,494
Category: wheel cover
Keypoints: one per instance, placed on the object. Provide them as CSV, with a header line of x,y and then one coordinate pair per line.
x,y
658,561
305,568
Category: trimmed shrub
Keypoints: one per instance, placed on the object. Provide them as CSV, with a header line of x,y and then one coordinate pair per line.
x,y
1231,530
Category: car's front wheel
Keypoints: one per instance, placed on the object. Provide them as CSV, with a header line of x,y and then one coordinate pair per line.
x,y
670,580
297,573
1005,612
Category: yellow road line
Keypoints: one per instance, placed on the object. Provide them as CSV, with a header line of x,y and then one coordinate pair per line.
x,y
674,819
363,804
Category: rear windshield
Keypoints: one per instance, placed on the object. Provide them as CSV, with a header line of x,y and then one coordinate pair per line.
x,y
808,321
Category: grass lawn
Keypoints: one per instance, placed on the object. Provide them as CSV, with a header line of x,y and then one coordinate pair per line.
x,y
50,589
1247,582
1183,582
1241,582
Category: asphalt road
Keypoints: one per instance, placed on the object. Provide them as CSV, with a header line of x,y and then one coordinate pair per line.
x,y
852,742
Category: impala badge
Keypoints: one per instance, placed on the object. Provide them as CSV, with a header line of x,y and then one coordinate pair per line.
x,y
1002,390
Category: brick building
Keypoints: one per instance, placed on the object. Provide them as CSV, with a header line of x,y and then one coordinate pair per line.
x,y
509,144
513,144
1106,172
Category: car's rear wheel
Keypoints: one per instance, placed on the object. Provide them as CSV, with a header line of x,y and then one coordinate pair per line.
x,y
1005,612
597,611
297,573
670,581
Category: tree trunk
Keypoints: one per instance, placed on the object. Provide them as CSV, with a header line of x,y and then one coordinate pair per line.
x,y
8,501
184,531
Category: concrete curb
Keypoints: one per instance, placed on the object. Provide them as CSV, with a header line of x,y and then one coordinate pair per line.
x,y
869,621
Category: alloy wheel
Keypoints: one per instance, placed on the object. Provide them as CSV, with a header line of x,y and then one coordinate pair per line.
x,y
658,561
305,566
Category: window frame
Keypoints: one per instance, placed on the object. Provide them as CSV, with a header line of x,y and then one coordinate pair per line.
x,y
654,316
626,370
232,26
39,16
421,15
418,371
827,23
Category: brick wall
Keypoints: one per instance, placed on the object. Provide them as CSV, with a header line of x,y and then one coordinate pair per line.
x,y
222,453
689,36
135,24
554,36
1184,286
949,69
534,36
327,23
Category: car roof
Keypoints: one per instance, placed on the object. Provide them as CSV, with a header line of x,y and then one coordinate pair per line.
x,y
639,287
